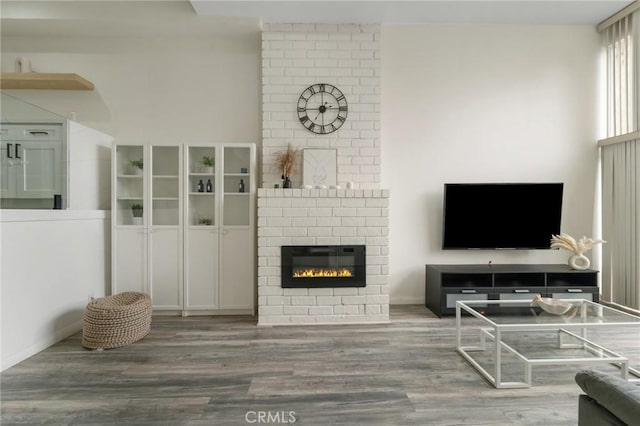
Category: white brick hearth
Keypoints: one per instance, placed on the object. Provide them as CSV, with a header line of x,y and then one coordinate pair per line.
x,y
323,217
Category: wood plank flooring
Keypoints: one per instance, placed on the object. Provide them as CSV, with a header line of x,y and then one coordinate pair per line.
x,y
228,371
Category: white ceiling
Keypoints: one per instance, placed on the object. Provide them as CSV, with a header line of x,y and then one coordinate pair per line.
x,y
82,18
241,18
553,12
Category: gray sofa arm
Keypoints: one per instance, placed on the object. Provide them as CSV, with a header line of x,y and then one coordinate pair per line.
x,y
620,397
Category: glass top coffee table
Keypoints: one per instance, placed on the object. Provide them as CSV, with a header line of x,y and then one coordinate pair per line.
x,y
511,332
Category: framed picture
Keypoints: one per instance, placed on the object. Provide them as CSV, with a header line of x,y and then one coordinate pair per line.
x,y
319,167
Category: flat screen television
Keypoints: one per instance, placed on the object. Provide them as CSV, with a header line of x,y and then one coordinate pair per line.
x,y
501,215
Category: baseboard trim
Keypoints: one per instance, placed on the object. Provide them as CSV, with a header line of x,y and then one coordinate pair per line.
x,y
57,336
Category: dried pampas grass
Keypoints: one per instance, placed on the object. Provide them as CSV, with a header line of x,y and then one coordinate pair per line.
x,y
567,242
286,161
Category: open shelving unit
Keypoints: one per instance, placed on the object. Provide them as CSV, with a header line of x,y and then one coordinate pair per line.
x,y
44,81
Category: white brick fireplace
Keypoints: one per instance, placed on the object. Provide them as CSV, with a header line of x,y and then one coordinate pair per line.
x,y
295,56
323,217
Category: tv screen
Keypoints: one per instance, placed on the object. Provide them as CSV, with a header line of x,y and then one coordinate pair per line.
x,y
501,215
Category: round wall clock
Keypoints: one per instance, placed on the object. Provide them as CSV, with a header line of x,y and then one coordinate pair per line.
x,y
322,108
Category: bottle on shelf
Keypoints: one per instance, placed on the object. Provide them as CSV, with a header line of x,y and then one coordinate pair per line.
x,y
241,186
200,186
209,186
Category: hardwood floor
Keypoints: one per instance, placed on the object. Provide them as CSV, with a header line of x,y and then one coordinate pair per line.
x,y
228,371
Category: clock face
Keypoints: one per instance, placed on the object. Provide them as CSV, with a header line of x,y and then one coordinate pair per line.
x,y
322,108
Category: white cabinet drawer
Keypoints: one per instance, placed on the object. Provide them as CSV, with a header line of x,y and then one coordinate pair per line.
x,y
31,132
41,132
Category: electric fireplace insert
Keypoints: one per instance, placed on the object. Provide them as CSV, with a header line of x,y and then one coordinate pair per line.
x,y
323,266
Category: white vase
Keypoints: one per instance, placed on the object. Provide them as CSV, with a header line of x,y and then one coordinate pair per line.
x,y
137,220
579,262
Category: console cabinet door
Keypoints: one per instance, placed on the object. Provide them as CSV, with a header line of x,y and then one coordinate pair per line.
x,y
38,171
201,269
237,269
130,260
166,268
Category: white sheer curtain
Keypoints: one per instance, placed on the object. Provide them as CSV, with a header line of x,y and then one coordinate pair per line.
x,y
621,223
621,164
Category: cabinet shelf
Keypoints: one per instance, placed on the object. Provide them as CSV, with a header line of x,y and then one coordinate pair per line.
x,y
129,198
165,198
201,174
44,81
202,193
169,177
244,194
129,176
237,174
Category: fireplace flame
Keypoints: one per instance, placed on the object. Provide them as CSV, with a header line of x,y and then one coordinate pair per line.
x,y
320,273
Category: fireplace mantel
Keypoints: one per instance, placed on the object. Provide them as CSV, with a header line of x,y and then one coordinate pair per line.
x,y
322,193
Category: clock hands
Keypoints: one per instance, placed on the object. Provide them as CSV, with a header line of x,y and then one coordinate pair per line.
x,y
322,108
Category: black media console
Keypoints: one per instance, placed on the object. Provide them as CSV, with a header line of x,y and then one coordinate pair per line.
x,y
445,284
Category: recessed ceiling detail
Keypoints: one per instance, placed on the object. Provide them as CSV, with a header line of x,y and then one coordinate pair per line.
x,y
547,12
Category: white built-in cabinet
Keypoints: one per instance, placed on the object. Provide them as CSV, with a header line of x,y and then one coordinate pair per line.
x,y
31,160
193,251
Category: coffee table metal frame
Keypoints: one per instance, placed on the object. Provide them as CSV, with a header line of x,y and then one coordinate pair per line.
x,y
494,333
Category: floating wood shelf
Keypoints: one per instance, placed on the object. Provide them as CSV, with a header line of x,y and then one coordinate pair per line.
x,y
43,81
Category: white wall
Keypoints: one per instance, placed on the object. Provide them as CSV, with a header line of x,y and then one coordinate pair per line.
x,y
151,89
483,104
89,154
459,103
52,262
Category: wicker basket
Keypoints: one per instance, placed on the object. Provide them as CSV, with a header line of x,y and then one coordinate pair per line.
x,y
116,321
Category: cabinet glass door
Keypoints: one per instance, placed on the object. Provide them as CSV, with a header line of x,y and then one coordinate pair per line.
x,y
129,185
165,185
201,186
237,186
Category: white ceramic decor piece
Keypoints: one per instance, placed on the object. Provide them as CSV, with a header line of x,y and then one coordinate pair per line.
x,y
552,306
578,261
23,64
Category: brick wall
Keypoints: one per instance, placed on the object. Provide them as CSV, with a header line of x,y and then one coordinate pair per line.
x,y
295,56
322,217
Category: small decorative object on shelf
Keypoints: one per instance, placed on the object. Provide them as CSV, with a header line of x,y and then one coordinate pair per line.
x,y
136,210
136,165
200,186
204,221
286,162
241,186
243,170
209,186
208,163
565,241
